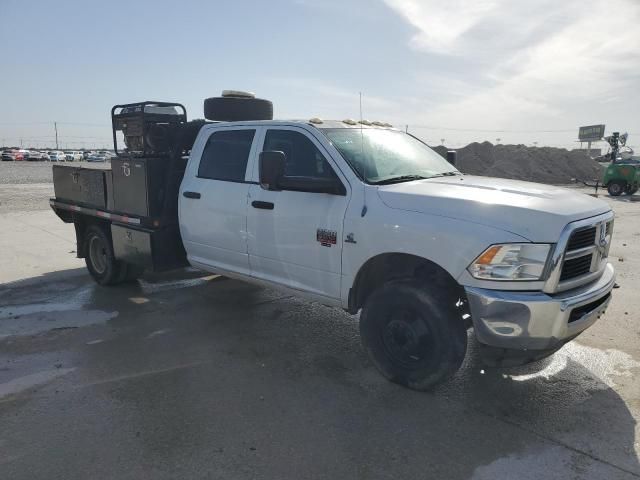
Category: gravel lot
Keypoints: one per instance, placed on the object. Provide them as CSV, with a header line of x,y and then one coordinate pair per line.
x,y
15,173
27,186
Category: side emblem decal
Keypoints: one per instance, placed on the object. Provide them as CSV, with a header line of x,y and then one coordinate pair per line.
x,y
326,237
350,239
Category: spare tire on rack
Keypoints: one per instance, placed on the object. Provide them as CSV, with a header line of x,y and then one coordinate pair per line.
x,y
234,106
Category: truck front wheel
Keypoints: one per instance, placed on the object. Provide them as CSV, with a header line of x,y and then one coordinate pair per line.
x,y
413,334
99,257
616,188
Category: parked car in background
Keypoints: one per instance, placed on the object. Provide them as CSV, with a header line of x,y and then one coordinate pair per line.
x,y
86,154
57,156
22,154
97,157
45,156
34,156
9,155
74,156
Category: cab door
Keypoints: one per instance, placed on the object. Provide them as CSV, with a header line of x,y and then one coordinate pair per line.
x,y
213,200
295,237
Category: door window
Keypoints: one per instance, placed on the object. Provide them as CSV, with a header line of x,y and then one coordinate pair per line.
x,y
225,155
303,159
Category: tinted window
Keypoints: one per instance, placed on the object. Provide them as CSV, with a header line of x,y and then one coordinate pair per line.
x,y
303,158
225,155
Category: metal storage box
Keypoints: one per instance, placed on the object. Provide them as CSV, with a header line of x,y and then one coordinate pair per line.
x,y
139,186
156,250
86,186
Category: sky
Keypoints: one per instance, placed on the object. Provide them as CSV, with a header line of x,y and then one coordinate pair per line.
x,y
454,72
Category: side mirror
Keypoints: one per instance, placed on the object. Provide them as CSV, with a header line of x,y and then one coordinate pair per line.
x,y
271,169
452,157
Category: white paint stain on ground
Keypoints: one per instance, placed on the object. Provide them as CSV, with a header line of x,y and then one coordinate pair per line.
x,y
158,332
149,288
17,385
29,319
604,365
551,463
72,302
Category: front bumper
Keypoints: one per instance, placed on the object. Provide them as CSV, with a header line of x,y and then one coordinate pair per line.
x,y
535,320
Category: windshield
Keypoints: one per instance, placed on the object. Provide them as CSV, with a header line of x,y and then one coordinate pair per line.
x,y
382,156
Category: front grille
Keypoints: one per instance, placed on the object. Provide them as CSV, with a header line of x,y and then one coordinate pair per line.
x,y
582,238
576,267
578,313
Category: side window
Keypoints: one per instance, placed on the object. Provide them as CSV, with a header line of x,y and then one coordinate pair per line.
x,y
226,154
303,158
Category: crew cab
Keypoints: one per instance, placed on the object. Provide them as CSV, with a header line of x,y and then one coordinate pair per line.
x,y
369,219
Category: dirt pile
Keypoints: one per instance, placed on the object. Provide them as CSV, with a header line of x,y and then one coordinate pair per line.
x,y
534,164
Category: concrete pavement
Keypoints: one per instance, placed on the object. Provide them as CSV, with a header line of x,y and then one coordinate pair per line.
x,y
196,376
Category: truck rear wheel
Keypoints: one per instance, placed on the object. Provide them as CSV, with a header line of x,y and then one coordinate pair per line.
x,y
99,257
616,188
630,189
412,334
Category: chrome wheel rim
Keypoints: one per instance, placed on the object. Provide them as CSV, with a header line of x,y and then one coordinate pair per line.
x,y
98,254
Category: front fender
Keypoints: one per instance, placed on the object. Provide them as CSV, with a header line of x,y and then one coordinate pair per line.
x,y
449,243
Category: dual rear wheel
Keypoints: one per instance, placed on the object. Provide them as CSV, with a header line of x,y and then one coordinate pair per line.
x,y
101,261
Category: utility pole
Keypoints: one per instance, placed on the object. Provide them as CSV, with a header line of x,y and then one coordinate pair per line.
x,y
55,125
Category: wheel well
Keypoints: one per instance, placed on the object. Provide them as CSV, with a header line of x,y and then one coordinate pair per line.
x,y
392,266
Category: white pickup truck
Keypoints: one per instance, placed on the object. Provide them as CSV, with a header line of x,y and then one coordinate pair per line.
x,y
369,219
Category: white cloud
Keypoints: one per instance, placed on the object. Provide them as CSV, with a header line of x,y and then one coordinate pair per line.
x,y
441,25
530,63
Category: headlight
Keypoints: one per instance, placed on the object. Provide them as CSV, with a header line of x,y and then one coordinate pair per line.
x,y
511,262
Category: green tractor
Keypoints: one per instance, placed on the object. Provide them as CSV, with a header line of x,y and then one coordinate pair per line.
x,y
623,173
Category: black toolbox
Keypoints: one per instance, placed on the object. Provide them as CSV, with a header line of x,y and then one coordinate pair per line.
x,y
83,185
155,249
147,187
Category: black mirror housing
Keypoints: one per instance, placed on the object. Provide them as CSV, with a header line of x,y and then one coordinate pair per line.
x,y
272,165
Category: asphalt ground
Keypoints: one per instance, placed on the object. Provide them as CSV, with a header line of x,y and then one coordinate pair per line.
x,y
187,375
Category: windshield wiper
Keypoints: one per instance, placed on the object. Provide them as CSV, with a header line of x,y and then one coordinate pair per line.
x,y
446,174
398,179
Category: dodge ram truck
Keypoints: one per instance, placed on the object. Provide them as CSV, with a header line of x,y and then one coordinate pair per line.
x,y
354,215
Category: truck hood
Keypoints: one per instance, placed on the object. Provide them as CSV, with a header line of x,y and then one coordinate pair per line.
x,y
534,211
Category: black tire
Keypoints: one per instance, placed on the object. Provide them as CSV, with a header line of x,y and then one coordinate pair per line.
x,y
412,334
630,189
99,257
233,109
616,188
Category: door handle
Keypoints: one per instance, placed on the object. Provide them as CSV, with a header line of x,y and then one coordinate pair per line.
x,y
191,194
263,205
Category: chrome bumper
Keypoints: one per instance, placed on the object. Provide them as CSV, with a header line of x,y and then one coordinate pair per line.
x,y
536,320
